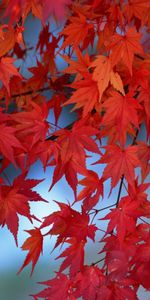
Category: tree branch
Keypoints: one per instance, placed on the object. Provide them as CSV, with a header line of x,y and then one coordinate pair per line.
x,y
97,262
29,92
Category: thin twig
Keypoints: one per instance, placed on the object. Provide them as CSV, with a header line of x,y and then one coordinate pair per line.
x,y
29,92
101,209
144,221
120,190
98,261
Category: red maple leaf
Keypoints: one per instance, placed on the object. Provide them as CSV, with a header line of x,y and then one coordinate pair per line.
x,y
93,189
14,200
88,281
8,142
43,38
72,156
74,257
77,32
123,218
32,123
120,162
86,95
117,114
7,69
34,244
144,157
124,47
65,223
55,8
63,292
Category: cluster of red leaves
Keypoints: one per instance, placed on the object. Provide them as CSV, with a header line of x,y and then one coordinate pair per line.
x,y
106,46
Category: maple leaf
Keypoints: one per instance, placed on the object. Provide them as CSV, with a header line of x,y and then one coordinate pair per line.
x,y
144,99
117,113
137,193
56,8
32,123
144,157
115,15
117,263
14,200
45,151
73,228
78,67
142,275
123,218
8,142
103,73
72,154
124,47
143,231
77,32
43,39
56,104
74,257
93,189
88,281
7,69
39,75
64,292
120,162
7,39
86,95
137,8
141,262
13,10
117,290
128,245
34,244
49,55
34,6
69,223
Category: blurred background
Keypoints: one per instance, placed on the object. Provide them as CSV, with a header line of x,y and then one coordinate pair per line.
x,y
20,287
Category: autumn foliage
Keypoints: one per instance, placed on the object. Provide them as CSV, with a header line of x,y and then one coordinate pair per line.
x,y
105,45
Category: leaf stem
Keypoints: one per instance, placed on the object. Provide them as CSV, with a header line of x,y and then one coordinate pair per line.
x,y
101,209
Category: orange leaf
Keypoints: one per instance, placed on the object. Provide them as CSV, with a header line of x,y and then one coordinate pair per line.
x,y
7,69
103,73
77,32
124,47
7,39
116,81
34,244
85,96
78,67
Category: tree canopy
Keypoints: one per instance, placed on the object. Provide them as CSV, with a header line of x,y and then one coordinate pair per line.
x,y
105,45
